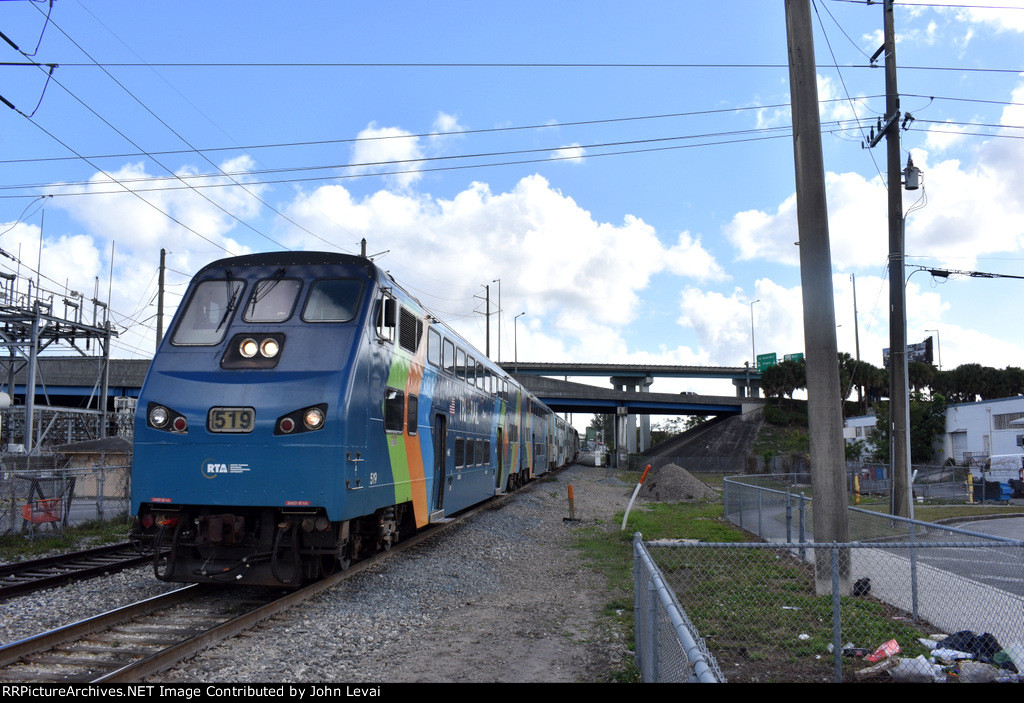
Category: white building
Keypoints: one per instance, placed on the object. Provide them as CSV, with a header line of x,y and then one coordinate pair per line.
x,y
983,428
858,428
972,429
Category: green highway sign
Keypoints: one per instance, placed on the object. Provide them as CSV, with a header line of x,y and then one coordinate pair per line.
x,y
766,360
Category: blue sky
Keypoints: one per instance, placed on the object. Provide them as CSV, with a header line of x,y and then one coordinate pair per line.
x,y
625,170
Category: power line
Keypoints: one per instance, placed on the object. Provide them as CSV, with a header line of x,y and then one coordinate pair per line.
x,y
723,137
130,141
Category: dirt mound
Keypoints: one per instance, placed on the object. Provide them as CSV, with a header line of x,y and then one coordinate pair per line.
x,y
674,484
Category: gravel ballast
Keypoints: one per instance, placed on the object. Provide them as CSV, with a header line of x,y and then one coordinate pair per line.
x,y
502,597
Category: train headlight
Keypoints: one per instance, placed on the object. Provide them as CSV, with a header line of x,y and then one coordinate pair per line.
x,y
309,419
313,418
161,417
269,347
248,347
158,416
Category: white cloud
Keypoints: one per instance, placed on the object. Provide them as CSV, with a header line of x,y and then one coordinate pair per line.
x,y
551,255
1005,16
945,137
388,150
573,153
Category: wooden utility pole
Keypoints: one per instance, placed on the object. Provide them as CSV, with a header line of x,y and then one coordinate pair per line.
x,y
899,403
824,402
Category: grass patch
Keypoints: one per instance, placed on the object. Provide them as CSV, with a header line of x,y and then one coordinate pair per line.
x,y
609,551
756,608
89,534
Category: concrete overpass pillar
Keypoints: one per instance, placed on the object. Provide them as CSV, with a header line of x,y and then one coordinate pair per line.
x,y
628,383
645,418
621,453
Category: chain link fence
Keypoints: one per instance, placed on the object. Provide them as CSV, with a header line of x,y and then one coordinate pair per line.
x,y
48,493
808,612
903,600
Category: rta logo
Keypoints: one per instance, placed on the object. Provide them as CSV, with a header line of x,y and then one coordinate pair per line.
x,y
211,469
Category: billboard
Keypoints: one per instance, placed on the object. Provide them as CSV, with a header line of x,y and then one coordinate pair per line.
x,y
915,352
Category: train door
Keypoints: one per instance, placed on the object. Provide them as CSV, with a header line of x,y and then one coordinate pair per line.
x,y
440,459
501,462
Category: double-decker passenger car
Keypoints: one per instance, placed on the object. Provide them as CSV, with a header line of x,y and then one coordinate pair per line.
x,y
304,411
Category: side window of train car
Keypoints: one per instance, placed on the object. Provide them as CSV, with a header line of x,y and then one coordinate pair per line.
x,y
471,370
394,410
460,452
434,347
449,356
460,363
333,300
206,318
412,422
272,300
386,317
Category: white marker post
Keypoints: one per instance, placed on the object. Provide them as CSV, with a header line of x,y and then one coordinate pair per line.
x,y
633,497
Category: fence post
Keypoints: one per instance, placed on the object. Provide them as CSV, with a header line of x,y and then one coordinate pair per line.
x,y
760,512
643,649
789,516
742,487
803,534
837,634
99,486
652,626
913,573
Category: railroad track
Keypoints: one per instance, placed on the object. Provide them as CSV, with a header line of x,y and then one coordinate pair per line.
x,y
26,576
139,640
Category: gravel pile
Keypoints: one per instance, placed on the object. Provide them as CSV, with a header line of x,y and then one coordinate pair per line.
x,y
503,597
674,484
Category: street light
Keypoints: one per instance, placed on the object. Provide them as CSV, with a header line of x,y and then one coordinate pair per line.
x,y
753,354
498,281
515,337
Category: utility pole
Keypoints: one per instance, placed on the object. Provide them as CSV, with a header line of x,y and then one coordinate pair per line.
x,y
899,405
856,336
824,402
160,300
487,292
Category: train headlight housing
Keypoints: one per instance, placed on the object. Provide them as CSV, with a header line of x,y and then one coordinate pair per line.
x,y
248,348
253,350
308,419
269,347
313,418
159,416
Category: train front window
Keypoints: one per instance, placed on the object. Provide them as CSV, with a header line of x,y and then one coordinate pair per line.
x,y
272,300
333,300
206,318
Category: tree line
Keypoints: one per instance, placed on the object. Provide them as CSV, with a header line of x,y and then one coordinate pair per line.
x,y
967,383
